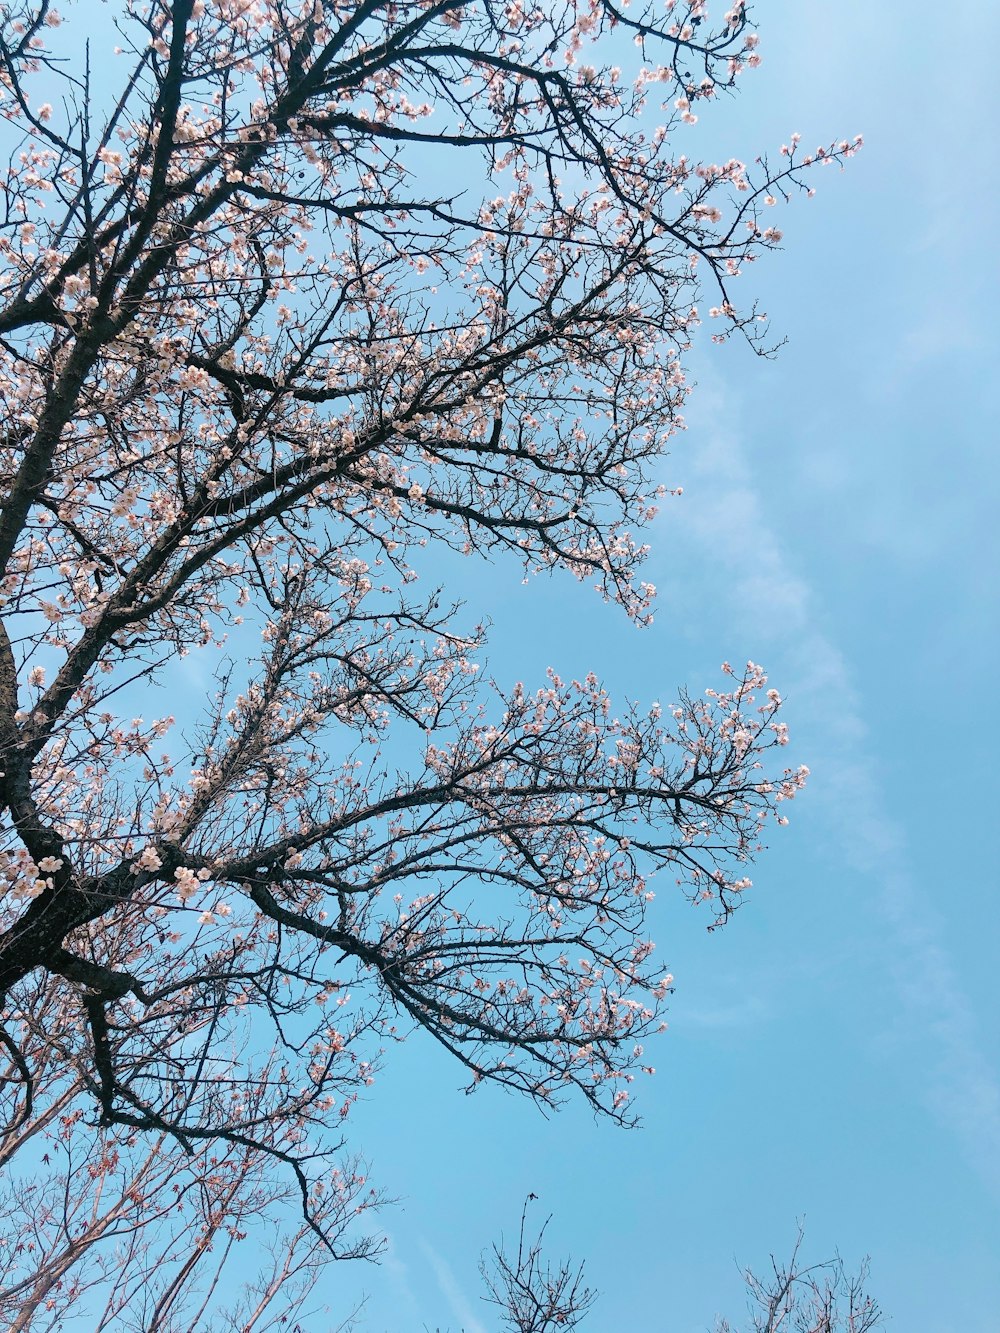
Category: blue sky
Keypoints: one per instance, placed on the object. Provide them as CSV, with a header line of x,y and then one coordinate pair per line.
x,y
833,1054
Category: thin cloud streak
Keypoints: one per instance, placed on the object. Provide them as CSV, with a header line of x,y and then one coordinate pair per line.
x,y
725,517
452,1292
398,1274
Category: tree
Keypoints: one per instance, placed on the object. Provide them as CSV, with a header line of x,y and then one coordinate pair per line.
x,y
137,1233
809,1298
532,1295
535,1297
260,360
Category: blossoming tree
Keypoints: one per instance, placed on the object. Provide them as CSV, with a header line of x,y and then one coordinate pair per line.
x,y
259,358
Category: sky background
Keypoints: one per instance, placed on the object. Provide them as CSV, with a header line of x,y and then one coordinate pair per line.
x,y
833,1054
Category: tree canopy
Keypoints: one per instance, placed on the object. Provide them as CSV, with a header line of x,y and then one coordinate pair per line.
x,y
300,296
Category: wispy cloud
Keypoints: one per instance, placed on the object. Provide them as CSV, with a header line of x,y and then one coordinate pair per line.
x,y
728,523
459,1304
399,1277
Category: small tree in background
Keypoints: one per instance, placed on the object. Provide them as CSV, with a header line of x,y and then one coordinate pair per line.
x,y
536,1297
259,361
808,1298
532,1294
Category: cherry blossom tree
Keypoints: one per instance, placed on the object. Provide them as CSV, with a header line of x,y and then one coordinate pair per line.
x,y
129,1231
260,359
